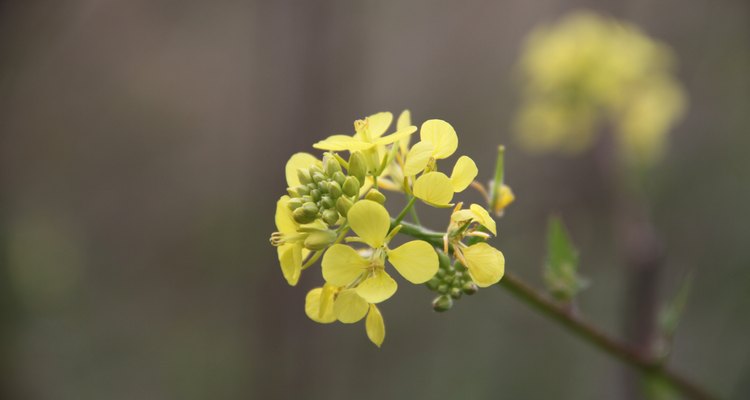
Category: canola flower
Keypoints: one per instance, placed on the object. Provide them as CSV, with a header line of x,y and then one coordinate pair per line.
x,y
587,73
335,212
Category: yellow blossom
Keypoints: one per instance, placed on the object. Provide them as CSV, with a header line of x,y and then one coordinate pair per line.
x,y
343,266
438,141
478,214
290,253
437,189
368,134
503,199
486,264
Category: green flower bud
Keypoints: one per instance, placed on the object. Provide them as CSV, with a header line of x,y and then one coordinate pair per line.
x,y
442,303
444,260
304,176
306,199
455,293
315,169
319,240
315,194
375,195
358,166
343,205
443,288
449,279
331,166
294,203
330,217
310,208
339,177
292,192
440,273
318,177
326,202
351,186
302,190
470,288
433,283
334,189
302,217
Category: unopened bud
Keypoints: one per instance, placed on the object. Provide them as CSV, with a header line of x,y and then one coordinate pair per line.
x,y
330,217
351,186
315,194
331,166
442,303
433,283
310,208
294,203
455,293
375,196
343,205
326,202
292,192
303,190
304,176
302,217
318,177
319,240
339,177
358,166
470,288
334,189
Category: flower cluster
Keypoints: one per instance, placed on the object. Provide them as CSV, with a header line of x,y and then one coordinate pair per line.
x,y
340,193
589,71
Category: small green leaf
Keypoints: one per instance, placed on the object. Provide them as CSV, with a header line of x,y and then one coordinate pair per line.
x,y
561,269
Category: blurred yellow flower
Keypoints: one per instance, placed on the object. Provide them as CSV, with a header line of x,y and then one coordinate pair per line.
x,y
589,71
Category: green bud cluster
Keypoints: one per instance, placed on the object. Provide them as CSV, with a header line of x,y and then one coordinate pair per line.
x,y
450,282
325,193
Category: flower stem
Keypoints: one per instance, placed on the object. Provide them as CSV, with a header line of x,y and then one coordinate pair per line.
x,y
522,291
497,183
406,209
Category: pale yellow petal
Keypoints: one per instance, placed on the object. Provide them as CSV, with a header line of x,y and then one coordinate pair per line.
x,y
404,120
375,326
349,307
484,218
290,258
416,261
442,135
462,215
486,264
378,287
379,123
396,136
285,222
463,173
298,161
418,158
314,307
342,265
434,188
341,143
370,221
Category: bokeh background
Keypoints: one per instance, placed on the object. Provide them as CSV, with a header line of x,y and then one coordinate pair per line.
x,y
142,150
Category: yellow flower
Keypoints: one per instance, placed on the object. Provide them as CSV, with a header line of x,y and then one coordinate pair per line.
x,y
438,141
504,198
368,134
365,276
486,264
478,214
437,189
328,303
290,252
319,304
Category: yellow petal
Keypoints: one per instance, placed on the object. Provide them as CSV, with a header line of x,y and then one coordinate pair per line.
x,y
404,120
349,307
315,309
434,188
378,287
370,221
486,264
442,135
462,215
379,123
396,136
342,265
483,218
298,161
505,196
375,326
463,173
285,222
418,158
416,261
341,143
290,258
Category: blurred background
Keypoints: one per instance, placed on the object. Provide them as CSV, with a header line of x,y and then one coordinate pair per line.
x,y
142,151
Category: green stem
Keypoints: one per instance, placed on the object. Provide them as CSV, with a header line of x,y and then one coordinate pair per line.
x,y
406,209
310,261
414,216
583,329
